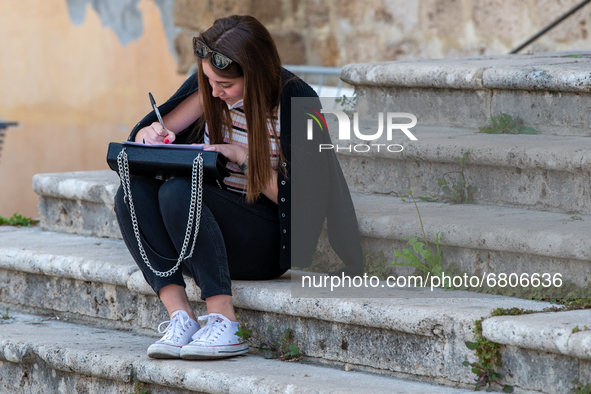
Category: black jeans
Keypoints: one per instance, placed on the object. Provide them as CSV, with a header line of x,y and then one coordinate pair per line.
x,y
236,240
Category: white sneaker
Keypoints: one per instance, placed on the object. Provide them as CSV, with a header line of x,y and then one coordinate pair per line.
x,y
217,339
178,333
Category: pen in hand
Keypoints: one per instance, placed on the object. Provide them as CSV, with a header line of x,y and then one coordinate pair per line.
x,y
166,140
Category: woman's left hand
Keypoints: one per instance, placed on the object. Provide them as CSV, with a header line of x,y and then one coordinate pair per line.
x,y
234,153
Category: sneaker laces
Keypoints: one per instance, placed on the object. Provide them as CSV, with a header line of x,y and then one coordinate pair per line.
x,y
212,330
176,325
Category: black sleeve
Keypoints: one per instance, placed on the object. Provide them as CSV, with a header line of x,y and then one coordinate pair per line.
x,y
187,88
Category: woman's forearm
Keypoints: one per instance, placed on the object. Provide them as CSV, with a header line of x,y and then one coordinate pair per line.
x,y
184,114
181,117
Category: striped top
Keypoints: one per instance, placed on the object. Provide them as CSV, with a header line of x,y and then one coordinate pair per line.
x,y
237,181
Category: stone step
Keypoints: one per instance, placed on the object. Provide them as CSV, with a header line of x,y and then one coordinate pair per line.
x,y
480,238
543,172
78,202
86,279
42,355
550,91
555,333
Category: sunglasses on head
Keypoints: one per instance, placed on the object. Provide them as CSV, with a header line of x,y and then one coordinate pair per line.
x,y
202,50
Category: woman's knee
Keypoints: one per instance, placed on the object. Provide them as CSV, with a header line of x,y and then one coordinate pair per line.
x,y
144,193
141,186
174,197
144,186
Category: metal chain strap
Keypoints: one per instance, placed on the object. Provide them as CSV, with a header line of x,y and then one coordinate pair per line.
x,y
194,209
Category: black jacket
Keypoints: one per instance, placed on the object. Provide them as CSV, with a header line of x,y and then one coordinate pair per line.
x,y
320,190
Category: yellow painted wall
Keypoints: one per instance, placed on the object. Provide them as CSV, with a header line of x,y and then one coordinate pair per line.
x,y
73,89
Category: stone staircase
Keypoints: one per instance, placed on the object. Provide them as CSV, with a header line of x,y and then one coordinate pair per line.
x,y
532,205
84,314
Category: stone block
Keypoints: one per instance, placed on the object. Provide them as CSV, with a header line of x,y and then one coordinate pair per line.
x,y
291,47
317,13
540,172
452,52
54,273
92,186
549,91
74,298
540,371
557,113
403,50
479,249
558,74
401,353
183,46
223,8
266,11
36,377
403,13
67,256
500,18
193,15
553,72
325,51
61,355
78,202
476,261
78,217
418,338
575,28
558,167
362,48
443,17
543,332
513,230
432,107
354,12
292,6
198,15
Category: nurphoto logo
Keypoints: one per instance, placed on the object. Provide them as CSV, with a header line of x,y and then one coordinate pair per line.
x,y
344,123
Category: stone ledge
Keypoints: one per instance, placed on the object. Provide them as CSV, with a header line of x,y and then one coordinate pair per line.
x,y
507,229
444,145
435,144
418,338
552,71
68,256
92,186
78,202
547,332
119,356
541,172
111,263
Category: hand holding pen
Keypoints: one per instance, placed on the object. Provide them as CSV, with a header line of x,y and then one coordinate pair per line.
x,y
157,133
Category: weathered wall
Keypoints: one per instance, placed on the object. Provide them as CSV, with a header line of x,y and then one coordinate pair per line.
x,y
75,80
339,32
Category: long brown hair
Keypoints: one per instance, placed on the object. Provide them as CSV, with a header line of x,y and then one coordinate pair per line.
x,y
250,45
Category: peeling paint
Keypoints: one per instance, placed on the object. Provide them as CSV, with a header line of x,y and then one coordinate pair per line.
x,y
124,17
